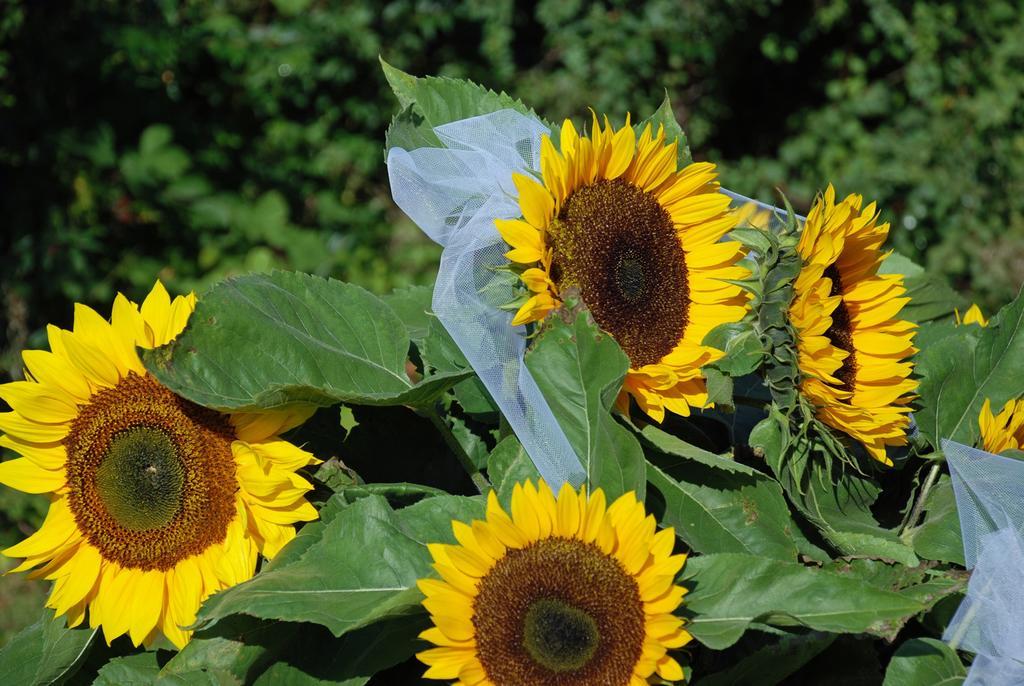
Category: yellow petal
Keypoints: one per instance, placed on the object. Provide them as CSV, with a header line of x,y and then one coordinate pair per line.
x,y
146,594
55,371
26,476
534,200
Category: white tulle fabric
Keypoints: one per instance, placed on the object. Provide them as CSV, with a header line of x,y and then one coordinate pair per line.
x,y
454,194
989,493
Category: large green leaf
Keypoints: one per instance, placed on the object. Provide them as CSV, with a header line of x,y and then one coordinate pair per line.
x,y
922,584
772,663
580,369
240,646
930,296
718,511
245,650
431,101
938,537
668,444
730,590
963,370
358,567
837,500
268,340
507,465
412,305
141,668
351,660
46,652
925,662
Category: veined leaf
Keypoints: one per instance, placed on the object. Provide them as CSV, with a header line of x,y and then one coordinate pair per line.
x,y
838,504
580,369
358,567
717,511
431,101
507,465
925,662
46,652
413,306
269,340
730,590
963,370
930,297
673,445
939,537
351,660
771,664
666,116
245,650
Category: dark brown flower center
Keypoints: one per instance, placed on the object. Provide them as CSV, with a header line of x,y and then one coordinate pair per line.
x,y
151,475
558,612
840,334
619,247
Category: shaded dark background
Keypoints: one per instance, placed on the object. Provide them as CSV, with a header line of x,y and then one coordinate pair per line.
x,y
189,140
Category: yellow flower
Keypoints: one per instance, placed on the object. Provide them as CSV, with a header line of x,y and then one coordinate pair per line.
x,y
615,220
972,316
1004,431
564,591
155,502
753,215
853,349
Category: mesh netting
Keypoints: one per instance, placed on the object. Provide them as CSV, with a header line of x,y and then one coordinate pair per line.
x,y
454,194
989,493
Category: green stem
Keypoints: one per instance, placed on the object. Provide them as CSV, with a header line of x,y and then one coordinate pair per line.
x,y
479,480
929,481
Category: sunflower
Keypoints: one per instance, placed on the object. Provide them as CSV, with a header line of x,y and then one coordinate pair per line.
x,y
563,592
155,502
615,220
853,351
1004,431
753,215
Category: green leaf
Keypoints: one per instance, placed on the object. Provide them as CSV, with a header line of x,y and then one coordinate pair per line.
x,y
772,663
351,660
270,340
959,374
718,511
46,652
140,668
245,650
836,500
359,567
922,584
507,465
580,369
720,388
743,349
930,296
412,305
730,590
925,662
439,352
673,445
240,646
666,116
939,537
431,101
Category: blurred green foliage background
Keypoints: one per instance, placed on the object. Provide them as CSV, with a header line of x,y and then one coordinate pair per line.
x,y
191,139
